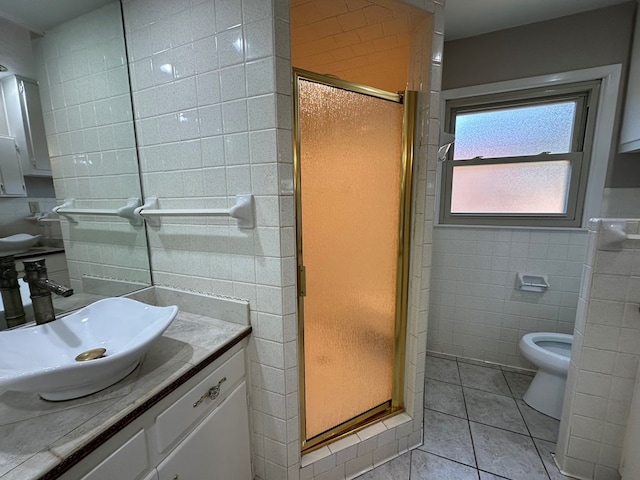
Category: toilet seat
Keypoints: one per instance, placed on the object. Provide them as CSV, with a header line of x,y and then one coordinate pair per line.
x,y
544,357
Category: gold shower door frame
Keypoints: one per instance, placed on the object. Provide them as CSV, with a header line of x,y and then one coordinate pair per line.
x,y
396,403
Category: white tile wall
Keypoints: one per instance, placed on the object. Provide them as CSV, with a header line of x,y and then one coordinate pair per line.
x,y
475,310
604,361
83,82
213,107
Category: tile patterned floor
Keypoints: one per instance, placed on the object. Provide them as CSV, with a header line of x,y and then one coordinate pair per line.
x,y
476,428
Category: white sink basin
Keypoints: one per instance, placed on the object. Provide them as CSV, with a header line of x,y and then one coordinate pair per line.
x,y
42,358
14,244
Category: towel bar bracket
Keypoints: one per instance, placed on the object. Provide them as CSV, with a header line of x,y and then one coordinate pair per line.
x,y
68,210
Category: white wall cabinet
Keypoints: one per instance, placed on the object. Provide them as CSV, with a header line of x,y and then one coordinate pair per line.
x,y
199,432
26,124
630,131
11,179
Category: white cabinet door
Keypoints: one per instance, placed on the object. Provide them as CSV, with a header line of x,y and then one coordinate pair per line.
x,y
178,419
11,179
26,124
218,448
153,475
127,463
33,120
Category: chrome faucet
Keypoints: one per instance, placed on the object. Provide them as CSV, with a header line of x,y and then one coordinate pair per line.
x,y
10,290
41,289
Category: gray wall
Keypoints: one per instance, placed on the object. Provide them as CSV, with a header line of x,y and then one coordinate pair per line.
x,y
589,39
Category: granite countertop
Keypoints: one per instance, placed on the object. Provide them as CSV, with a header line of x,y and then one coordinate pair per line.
x,y
39,251
37,437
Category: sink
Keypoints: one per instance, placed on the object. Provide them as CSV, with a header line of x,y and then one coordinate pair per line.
x,y
14,244
43,358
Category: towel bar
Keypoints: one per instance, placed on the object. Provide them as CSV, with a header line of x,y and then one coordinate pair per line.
x,y
241,211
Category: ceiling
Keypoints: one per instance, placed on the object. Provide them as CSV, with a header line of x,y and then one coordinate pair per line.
x,y
466,18
42,15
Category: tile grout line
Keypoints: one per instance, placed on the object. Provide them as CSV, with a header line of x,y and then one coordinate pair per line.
x,y
466,412
485,425
453,461
511,395
526,425
544,465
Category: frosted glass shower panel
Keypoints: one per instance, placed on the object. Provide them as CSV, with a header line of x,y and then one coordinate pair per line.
x,y
511,188
350,168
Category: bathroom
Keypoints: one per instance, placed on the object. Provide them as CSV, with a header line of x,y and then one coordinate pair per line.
x,y
260,266
485,319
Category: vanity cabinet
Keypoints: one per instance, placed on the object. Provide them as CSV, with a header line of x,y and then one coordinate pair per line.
x,y
198,432
630,131
11,179
128,461
217,449
26,124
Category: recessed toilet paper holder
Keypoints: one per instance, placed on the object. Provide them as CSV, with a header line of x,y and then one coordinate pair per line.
x,y
531,283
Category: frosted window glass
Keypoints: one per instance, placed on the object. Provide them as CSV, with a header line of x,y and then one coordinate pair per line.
x,y
513,132
350,146
511,188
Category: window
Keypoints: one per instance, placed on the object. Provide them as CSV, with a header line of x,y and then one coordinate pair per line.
x,y
519,158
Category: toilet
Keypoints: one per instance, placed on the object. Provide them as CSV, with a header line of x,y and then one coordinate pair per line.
x,y
550,352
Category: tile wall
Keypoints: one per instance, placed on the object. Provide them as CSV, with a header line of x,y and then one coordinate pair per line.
x,y
477,313
213,108
212,102
604,360
210,121
364,42
82,73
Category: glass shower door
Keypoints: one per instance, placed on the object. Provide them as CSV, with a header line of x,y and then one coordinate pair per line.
x,y
350,174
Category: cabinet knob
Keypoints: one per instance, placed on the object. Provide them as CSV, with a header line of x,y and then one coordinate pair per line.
x,y
175,477
212,393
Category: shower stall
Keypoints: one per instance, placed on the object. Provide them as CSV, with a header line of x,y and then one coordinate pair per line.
x,y
354,148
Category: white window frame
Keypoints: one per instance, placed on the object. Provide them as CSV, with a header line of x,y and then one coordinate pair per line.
x,y
601,148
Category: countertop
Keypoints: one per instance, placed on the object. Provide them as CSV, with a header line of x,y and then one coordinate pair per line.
x,y
40,438
39,251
